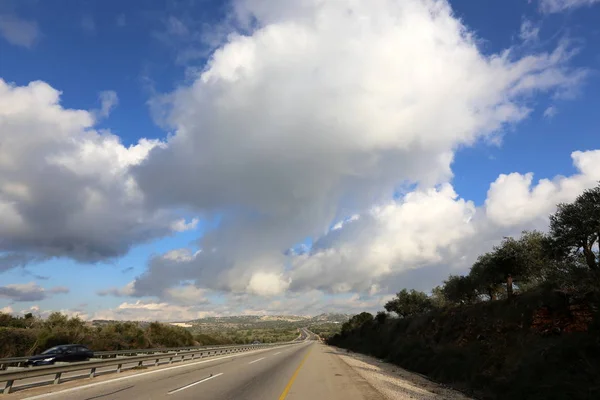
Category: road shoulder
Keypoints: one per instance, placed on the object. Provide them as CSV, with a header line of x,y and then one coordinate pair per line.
x,y
393,382
325,376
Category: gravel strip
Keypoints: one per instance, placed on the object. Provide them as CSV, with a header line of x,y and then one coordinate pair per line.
x,y
394,382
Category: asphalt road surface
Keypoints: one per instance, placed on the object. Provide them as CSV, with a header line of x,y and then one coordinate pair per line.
x,y
299,372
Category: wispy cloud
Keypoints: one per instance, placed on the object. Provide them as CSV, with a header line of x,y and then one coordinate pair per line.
x,y
555,6
19,32
121,20
29,292
550,112
88,24
529,31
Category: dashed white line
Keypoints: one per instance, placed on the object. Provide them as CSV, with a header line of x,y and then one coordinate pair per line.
x,y
194,384
84,387
252,362
277,353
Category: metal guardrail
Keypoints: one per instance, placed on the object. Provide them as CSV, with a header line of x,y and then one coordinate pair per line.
x,y
58,370
7,362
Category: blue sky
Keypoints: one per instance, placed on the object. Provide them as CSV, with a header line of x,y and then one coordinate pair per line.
x,y
255,193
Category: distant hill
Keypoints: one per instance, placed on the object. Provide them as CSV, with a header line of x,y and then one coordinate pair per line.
x,y
268,321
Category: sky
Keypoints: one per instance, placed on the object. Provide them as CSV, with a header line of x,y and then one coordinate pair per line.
x,y
172,160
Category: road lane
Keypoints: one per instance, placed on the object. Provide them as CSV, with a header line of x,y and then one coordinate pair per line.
x,y
235,371
309,370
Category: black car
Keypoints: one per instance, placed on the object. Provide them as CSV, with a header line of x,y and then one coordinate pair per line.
x,y
63,353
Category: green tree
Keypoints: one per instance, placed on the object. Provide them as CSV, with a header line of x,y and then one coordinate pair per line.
x,y
407,303
459,289
438,300
575,228
357,321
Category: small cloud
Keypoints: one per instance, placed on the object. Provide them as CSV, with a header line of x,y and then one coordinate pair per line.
x,y
181,226
29,292
529,31
88,24
121,20
19,32
6,310
555,6
108,101
176,27
550,112
126,290
126,270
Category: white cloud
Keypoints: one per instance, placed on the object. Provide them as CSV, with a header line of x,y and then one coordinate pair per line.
x,y
550,112
181,225
108,101
282,158
126,290
513,199
152,311
6,310
65,189
267,284
529,31
19,32
554,6
424,228
29,292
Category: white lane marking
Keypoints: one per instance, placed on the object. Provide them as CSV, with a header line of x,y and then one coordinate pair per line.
x,y
194,384
42,396
277,353
252,362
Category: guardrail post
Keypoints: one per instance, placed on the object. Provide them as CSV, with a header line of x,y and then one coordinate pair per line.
x,y
182,357
119,368
171,360
2,367
156,362
193,355
57,378
8,387
93,372
141,363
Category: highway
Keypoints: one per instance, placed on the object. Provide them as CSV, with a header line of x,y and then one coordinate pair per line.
x,y
308,370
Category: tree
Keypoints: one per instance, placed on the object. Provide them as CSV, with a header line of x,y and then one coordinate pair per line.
x,y
459,289
575,227
484,276
408,303
381,317
357,321
438,300
523,261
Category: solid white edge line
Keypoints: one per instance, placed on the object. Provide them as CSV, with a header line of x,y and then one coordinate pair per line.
x,y
277,353
194,384
45,395
252,362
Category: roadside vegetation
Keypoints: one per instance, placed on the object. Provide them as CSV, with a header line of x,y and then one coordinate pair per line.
x,y
524,323
27,335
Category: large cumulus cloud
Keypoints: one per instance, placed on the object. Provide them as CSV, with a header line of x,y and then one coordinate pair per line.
x,y
65,189
320,111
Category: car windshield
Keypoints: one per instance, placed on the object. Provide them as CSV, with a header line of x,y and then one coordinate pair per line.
x,y
53,350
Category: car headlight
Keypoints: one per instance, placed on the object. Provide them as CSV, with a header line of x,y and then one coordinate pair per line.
x,y
48,359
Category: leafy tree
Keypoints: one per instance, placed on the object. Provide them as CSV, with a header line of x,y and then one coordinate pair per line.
x,y
459,289
357,322
407,303
524,261
575,228
381,317
438,300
